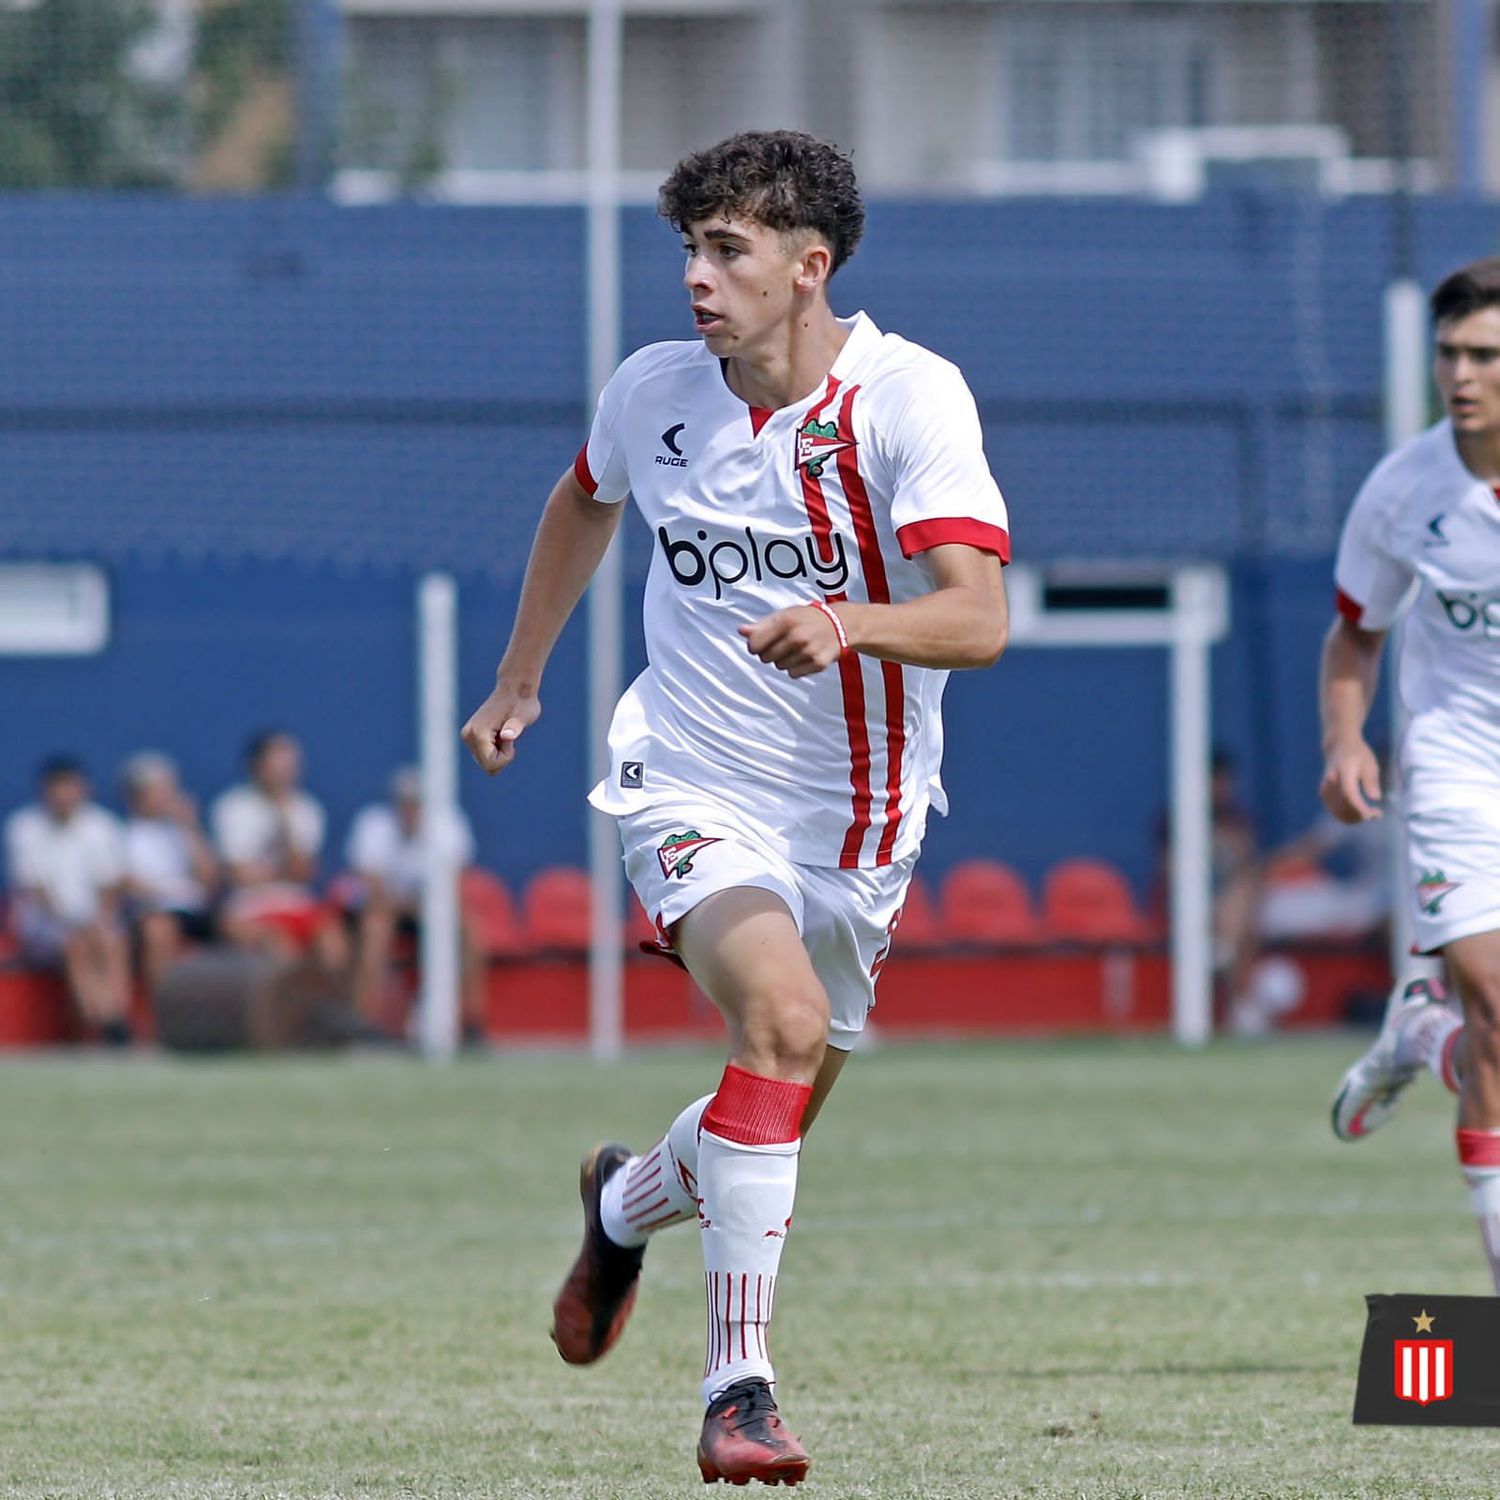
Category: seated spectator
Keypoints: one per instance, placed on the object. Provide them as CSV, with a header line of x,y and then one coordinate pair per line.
x,y
1234,878
65,863
171,874
269,832
387,862
1332,881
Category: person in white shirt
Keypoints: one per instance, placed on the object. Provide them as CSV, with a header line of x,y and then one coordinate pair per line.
x,y
1421,547
65,863
171,874
386,856
269,832
827,546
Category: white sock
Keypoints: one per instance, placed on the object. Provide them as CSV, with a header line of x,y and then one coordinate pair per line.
x,y
748,1192
659,1189
1479,1152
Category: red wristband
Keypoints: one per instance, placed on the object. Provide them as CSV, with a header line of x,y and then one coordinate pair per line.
x,y
838,624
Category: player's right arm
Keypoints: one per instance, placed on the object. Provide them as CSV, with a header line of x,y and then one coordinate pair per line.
x,y
574,533
1375,585
1347,680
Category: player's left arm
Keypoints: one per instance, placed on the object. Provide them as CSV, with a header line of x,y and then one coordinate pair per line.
x,y
963,622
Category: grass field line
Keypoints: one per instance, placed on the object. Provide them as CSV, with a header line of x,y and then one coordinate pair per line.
x,y
1230,1209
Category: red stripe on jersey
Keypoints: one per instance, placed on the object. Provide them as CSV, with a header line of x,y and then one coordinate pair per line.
x,y
581,471
918,536
851,678
1351,609
878,591
812,489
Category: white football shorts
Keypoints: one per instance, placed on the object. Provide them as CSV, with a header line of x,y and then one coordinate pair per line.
x,y
1453,854
682,849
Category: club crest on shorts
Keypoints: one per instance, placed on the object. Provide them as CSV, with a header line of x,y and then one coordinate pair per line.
x,y
1432,886
817,442
678,851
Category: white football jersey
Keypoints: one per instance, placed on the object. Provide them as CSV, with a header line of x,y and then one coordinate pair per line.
x,y
1423,540
751,511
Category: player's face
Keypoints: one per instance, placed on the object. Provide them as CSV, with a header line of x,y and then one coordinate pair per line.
x,y
1466,366
744,281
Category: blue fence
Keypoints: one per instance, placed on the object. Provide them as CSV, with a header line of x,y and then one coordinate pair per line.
x,y
265,417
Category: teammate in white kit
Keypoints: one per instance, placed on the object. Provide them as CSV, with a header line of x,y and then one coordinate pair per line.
x,y
827,545
1423,543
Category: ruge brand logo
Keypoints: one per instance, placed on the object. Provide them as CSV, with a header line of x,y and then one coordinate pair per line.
x,y
731,562
1465,611
669,437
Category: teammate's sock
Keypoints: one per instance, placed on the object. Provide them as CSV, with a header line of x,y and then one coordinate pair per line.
x,y
1479,1154
659,1189
1431,1037
747,1182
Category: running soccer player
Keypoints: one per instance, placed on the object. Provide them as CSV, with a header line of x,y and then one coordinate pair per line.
x,y
1423,542
828,543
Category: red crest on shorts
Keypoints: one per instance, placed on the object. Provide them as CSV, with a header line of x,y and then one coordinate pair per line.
x,y
1424,1370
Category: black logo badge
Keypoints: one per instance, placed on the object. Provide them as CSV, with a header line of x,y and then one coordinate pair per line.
x,y
632,774
1432,1361
669,439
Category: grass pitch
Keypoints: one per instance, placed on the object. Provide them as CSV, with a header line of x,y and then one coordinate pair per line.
x,y
1086,1270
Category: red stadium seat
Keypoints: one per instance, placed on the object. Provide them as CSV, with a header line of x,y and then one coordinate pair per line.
x,y
557,909
921,929
987,902
1089,901
490,912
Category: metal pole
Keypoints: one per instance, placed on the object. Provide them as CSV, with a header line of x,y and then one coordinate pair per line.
x,y
1405,417
437,690
319,47
1470,53
1192,834
606,41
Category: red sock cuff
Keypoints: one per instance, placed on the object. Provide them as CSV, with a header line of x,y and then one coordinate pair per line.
x,y
1478,1148
752,1110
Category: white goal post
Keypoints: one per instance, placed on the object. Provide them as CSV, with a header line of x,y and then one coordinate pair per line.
x,y
1184,609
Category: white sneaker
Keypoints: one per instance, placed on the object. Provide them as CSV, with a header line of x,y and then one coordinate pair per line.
x,y
1370,1091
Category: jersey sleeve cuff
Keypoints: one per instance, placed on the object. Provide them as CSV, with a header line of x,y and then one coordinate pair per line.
x,y
581,471
920,536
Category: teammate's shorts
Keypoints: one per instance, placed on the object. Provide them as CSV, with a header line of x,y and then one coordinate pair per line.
x,y
1453,855
680,852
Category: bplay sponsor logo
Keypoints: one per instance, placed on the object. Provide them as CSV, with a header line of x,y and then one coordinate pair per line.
x,y
1468,611
731,561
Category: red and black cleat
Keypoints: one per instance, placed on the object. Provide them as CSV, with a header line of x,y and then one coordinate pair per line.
x,y
591,1307
744,1438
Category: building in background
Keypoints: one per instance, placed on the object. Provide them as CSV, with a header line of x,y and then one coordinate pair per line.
x,y
484,99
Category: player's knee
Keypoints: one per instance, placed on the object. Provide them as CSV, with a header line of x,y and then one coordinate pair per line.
x,y
1481,991
788,1031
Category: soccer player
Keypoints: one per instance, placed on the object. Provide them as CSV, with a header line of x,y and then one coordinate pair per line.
x,y
1423,542
828,544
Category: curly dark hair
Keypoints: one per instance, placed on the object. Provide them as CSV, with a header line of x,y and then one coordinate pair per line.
x,y
783,179
1467,290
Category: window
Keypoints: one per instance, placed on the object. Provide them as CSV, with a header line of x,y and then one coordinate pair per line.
x,y
1080,83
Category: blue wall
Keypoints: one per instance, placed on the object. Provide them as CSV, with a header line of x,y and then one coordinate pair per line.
x,y
266,417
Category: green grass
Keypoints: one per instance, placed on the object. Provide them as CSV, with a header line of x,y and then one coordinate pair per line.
x,y
1082,1270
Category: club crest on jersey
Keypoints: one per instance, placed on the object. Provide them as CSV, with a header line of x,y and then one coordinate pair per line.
x,y
1432,887
678,851
817,442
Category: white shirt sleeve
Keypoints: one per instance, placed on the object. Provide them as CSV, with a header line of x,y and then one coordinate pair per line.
x,y
942,489
1374,586
21,850
372,843
600,467
238,826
